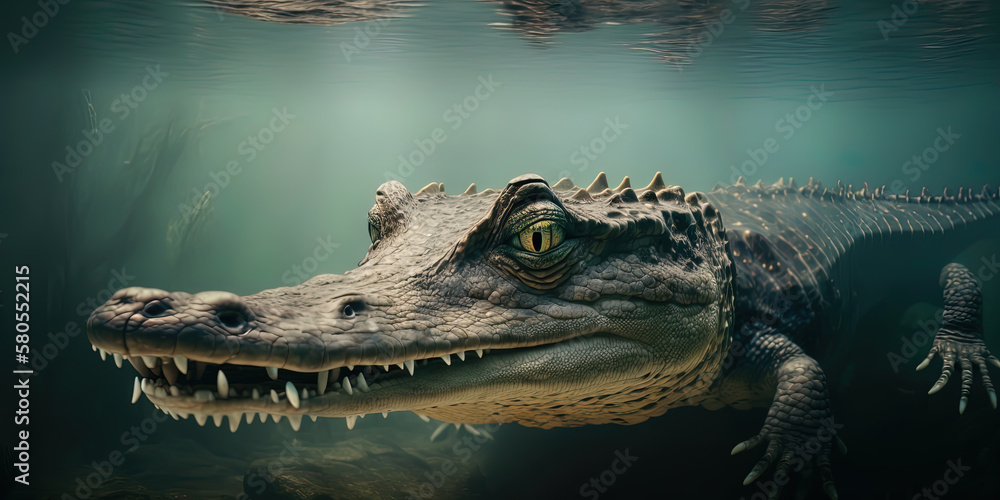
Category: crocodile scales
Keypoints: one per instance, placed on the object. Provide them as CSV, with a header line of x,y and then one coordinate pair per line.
x,y
502,305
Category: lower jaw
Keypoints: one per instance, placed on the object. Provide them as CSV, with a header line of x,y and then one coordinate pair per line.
x,y
478,387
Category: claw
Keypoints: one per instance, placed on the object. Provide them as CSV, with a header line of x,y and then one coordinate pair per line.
x,y
830,490
962,403
939,384
993,399
923,364
762,464
841,446
746,445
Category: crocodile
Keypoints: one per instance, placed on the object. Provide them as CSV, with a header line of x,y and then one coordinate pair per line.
x,y
556,306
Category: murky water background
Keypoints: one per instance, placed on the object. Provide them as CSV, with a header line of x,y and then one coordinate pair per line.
x,y
220,145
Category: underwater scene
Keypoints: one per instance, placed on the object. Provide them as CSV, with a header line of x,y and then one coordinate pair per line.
x,y
500,249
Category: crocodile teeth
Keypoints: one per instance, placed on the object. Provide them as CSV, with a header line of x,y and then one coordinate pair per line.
x,y
447,359
201,418
400,365
351,421
150,361
313,417
347,386
296,421
362,383
272,371
262,417
385,368
350,367
304,394
321,379
103,353
461,355
217,419
255,394
175,391
136,390
249,416
479,352
118,359
170,372
425,418
437,432
139,367
223,385
234,421
93,347
274,396
385,414
275,417
409,366
182,364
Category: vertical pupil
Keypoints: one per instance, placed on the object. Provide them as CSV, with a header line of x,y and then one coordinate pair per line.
x,y
536,240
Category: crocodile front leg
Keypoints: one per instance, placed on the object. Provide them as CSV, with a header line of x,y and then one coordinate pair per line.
x,y
799,429
960,338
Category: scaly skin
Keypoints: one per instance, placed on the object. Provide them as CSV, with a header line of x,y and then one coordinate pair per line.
x,y
582,306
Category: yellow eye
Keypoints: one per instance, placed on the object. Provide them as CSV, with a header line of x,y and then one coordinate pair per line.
x,y
540,237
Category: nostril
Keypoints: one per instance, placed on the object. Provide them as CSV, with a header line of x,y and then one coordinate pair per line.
x,y
154,309
232,319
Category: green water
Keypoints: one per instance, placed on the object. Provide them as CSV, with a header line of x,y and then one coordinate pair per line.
x,y
289,127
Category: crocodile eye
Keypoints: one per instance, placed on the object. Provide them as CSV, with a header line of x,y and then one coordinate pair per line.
x,y
374,232
539,237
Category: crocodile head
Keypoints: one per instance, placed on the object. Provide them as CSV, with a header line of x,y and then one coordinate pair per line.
x,y
544,305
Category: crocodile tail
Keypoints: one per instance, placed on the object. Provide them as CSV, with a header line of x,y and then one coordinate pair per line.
x,y
874,214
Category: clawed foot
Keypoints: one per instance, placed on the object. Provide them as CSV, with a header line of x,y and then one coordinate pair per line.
x,y
960,337
799,431
966,353
796,450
